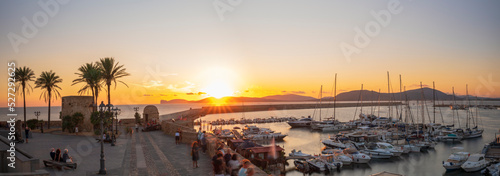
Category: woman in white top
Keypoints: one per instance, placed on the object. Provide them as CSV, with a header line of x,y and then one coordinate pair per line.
x,y
234,165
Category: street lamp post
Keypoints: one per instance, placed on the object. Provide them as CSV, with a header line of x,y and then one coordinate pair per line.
x,y
102,170
37,113
116,112
110,109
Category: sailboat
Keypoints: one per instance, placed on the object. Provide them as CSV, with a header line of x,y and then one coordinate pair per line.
x,y
473,132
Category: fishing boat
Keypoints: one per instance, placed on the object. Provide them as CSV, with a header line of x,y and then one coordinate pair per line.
x,y
357,157
474,163
456,159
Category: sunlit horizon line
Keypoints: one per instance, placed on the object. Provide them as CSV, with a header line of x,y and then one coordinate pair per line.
x,y
231,102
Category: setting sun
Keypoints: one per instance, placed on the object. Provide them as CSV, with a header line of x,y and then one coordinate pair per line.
x,y
219,89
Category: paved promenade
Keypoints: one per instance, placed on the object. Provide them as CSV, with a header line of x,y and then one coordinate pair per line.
x,y
143,153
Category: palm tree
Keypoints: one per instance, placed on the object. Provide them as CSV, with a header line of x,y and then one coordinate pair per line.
x,y
92,76
47,81
23,76
111,71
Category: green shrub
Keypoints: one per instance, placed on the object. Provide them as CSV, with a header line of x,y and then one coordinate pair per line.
x,y
32,123
70,122
137,117
95,119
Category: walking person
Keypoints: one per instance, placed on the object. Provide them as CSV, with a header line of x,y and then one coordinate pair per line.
x,y
27,133
204,143
177,137
136,127
76,130
195,154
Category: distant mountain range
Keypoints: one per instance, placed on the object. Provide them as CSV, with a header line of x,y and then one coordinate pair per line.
x,y
367,95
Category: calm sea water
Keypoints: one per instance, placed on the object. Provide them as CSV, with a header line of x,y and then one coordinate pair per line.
x,y
427,163
417,164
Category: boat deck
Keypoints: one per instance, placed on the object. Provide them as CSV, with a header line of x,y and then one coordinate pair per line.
x,y
493,152
237,135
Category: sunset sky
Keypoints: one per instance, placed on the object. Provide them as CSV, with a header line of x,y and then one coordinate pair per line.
x,y
177,49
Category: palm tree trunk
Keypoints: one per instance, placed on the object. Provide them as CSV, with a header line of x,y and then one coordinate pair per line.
x,y
93,102
96,97
48,123
109,95
24,102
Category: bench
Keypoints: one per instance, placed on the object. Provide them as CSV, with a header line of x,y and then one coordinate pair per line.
x,y
106,140
59,165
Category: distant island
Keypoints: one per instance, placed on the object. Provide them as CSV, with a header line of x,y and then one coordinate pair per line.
x,y
368,95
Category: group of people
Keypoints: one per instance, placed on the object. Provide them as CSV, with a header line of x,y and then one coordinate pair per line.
x,y
56,156
225,163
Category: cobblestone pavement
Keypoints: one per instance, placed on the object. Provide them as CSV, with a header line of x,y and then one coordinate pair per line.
x,y
143,153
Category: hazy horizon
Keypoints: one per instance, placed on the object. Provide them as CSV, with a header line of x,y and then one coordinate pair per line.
x,y
188,50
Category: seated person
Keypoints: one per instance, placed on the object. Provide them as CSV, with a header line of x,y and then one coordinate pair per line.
x,y
58,155
53,153
66,158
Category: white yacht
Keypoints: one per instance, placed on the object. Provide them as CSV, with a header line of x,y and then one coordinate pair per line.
x,y
474,163
299,154
390,148
337,127
303,122
376,152
456,159
357,157
346,159
335,142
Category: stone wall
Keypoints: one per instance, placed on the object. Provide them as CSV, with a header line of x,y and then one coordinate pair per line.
x,y
151,113
81,104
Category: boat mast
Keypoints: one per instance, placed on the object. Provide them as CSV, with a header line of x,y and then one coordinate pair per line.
x,y
469,113
361,98
320,96
434,101
389,94
458,118
400,97
423,100
378,111
335,97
